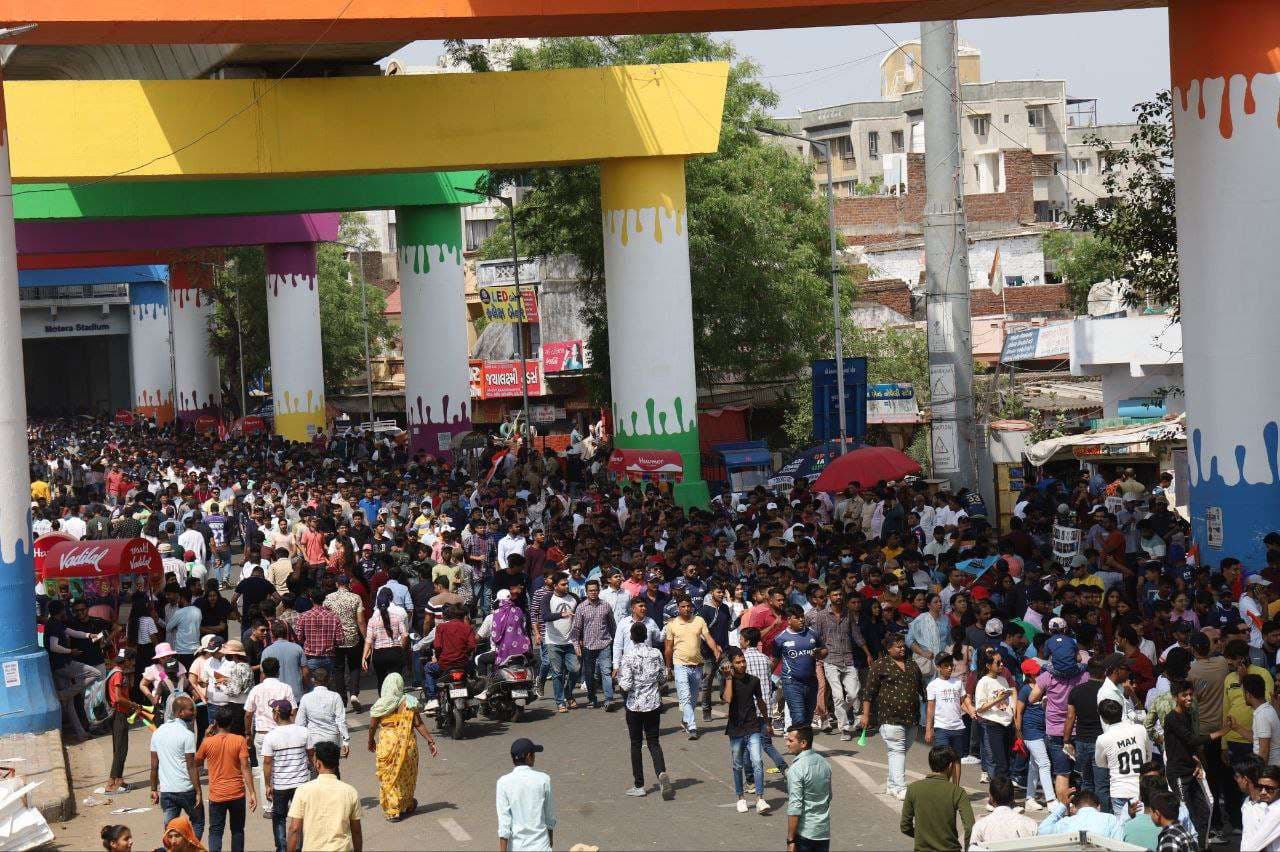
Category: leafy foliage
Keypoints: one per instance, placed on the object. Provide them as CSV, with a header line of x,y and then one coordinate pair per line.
x,y
757,231
1138,222
239,320
1083,260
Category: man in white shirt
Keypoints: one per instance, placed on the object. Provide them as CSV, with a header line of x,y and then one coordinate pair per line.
x,y
513,542
1121,749
1260,818
618,598
191,540
259,718
74,525
1003,823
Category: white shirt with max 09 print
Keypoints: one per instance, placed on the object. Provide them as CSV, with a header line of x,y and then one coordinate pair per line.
x,y
1122,749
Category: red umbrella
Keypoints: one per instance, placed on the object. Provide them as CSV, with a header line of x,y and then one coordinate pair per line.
x,y
865,466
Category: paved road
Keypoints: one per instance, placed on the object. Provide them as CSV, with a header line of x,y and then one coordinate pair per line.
x,y
587,757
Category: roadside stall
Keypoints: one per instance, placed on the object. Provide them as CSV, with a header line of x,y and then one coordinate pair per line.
x,y
1149,448
98,570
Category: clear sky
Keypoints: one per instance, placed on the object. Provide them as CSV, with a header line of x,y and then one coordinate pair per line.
x,y
1120,58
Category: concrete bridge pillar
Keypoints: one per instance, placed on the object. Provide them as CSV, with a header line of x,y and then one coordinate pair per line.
x,y
646,260
293,324
437,387
1226,98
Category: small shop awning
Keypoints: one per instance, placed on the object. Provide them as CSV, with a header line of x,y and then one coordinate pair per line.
x,y
98,559
1110,441
752,457
658,464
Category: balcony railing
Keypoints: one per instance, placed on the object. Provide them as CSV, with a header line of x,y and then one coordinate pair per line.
x,y
92,292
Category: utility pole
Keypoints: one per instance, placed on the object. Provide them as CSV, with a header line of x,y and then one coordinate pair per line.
x,y
946,251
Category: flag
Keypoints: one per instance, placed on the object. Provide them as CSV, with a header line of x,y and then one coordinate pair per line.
x,y
995,279
493,467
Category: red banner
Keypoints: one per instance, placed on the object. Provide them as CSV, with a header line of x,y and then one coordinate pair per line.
x,y
124,417
502,379
40,548
107,558
476,371
563,355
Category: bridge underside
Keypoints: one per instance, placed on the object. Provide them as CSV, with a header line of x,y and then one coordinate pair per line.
x,y
67,22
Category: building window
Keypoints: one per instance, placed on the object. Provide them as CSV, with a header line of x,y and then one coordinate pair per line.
x,y
479,230
1035,116
873,143
895,139
980,125
1081,166
391,238
844,149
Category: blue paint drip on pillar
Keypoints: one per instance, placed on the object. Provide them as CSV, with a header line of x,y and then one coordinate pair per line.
x,y
1248,510
28,701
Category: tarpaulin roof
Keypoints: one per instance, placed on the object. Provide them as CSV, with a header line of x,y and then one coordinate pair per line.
x,y
105,558
1173,429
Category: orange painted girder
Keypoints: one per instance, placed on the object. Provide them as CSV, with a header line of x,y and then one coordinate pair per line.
x,y
66,22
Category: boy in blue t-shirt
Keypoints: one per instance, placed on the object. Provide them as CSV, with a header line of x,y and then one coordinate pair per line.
x,y
800,651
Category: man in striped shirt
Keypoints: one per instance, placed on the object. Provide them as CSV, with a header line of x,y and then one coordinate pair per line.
x,y
286,766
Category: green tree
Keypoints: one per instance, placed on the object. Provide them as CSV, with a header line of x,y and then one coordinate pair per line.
x,y
239,322
1137,220
1083,259
757,231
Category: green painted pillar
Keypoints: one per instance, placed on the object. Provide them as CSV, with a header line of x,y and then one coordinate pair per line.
x,y
646,259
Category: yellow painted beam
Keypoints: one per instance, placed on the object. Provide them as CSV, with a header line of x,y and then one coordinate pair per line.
x,y
84,130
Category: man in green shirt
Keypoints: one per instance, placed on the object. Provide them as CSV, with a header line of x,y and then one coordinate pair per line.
x,y
931,804
809,794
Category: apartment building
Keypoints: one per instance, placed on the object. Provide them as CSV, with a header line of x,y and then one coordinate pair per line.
x,y
871,140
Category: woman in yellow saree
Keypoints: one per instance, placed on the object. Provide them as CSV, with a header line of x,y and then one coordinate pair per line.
x,y
392,722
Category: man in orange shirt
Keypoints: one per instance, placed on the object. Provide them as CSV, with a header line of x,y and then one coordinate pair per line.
x,y
312,545
226,755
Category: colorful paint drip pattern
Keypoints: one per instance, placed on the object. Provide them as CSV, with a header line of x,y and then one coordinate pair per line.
x,y
1196,95
289,279
420,257
194,297
421,413
624,223
1243,505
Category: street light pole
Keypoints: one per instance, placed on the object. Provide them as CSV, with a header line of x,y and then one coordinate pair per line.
x,y
836,319
515,262
364,310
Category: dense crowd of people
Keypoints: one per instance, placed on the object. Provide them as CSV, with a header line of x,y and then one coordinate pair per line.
x,y
1124,688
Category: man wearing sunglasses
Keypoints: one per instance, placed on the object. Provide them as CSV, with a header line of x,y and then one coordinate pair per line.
x,y
1260,816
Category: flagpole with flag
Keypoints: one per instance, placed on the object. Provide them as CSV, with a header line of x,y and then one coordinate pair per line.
x,y
995,280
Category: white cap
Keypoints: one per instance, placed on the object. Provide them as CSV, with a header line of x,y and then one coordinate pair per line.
x,y
503,595
1057,623
771,506
995,627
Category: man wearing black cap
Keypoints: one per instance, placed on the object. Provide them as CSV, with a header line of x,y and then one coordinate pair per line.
x,y
526,810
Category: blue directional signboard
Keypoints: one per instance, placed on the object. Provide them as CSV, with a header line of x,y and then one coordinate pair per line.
x,y
826,409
